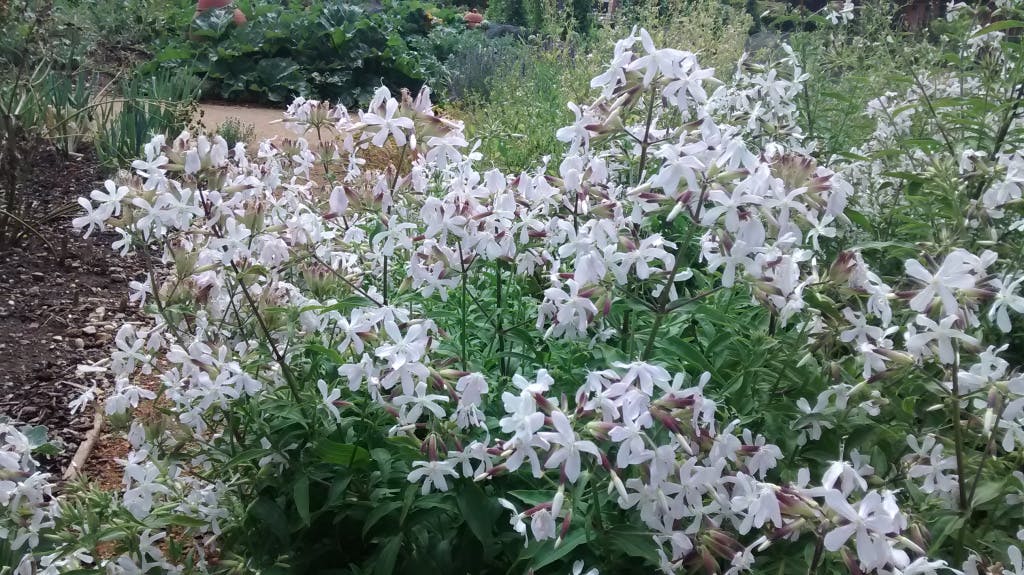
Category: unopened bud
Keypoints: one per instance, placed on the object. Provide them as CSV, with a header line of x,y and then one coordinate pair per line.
x,y
565,528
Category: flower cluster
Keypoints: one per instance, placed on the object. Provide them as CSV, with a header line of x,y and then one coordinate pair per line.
x,y
298,286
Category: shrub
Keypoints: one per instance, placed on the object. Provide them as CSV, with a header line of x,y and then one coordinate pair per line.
x,y
235,131
162,102
678,348
333,51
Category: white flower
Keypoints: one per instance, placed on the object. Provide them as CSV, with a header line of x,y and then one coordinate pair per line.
x,y
328,398
953,274
868,523
517,523
578,567
942,333
389,124
542,525
412,406
569,447
1006,298
433,474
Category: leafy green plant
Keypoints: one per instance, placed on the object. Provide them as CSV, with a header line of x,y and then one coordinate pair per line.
x,y
235,131
40,105
326,50
161,103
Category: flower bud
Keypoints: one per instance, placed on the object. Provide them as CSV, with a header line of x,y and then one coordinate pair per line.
x,y
565,528
842,268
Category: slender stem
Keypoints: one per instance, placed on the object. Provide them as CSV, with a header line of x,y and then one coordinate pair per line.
x,y
286,371
958,433
663,302
985,456
391,190
819,547
931,110
499,296
462,311
27,227
347,281
155,289
645,144
1004,129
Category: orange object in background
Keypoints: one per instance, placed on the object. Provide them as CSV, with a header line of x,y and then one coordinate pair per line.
x,y
472,18
238,16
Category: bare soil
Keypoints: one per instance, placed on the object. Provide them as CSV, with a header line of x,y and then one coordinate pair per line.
x,y
62,300
59,308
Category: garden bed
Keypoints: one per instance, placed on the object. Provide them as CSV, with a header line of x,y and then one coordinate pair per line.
x,y
58,310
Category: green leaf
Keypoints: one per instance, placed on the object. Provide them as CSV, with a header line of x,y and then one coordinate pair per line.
x,y
301,492
634,544
860,219
998,26
944,527
247,455
379,512
385,563
270,517
410,496
548,553
186,521
36,435
532,497
478,511
987,491
690,353
345,454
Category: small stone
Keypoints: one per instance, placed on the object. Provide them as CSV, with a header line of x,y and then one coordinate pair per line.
x,y
38,276
58,338
89,330
79,343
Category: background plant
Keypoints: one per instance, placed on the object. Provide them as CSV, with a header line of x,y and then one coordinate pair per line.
x,y
393,356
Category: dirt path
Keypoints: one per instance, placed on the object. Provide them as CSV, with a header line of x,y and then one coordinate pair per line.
x,y
262,118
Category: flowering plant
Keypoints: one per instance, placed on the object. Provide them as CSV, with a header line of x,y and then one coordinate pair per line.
x,y
369,352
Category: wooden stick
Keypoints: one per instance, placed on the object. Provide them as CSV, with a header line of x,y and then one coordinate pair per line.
x,y
85,448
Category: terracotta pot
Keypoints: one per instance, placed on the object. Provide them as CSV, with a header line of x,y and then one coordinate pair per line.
x,y
237,16
207,4
472,18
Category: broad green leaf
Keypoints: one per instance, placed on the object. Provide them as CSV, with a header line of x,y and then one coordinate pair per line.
x,y
944,527
301,492
533,497
478,511
379,512
634,544
998,26
385,563
342,453
548,553
270,517
247,455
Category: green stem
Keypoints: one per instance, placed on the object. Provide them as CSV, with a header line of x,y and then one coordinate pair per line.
x,y
499,296
958,433
286,371
645,144
662,309
462,311
394,182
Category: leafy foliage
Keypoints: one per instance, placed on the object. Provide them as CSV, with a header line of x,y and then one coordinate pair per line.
x,y
329,50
